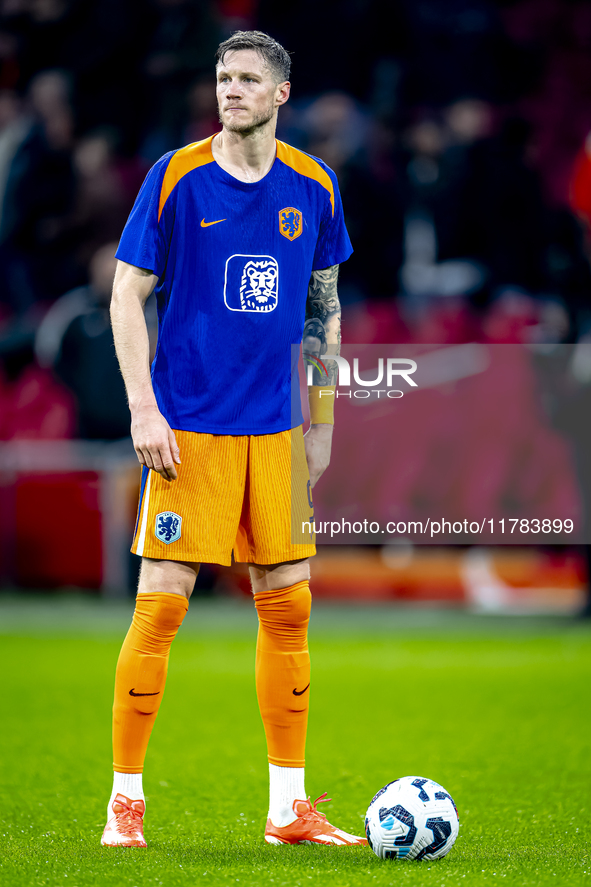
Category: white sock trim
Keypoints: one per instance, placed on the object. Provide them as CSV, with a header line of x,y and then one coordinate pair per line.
x,y
286,785
128,784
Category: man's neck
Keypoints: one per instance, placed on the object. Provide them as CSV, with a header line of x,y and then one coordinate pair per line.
x,y
246,157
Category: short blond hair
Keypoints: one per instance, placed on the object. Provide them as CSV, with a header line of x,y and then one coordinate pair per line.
x,y
274,55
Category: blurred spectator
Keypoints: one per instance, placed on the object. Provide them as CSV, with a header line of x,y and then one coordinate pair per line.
x,y
468,120
100,43
106,187
75,339
428,187
181,49
373,197
502,214
333,128
202,110
14,127
33,406
470,194
555,38
38,197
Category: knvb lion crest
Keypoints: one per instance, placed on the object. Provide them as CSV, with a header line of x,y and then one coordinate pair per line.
x,y
258,285
168,527
290,222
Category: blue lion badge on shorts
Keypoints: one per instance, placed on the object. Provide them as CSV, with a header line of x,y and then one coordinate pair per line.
x,y
168,527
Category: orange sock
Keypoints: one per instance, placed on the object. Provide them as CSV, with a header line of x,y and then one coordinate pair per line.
x,y
141,675
283,671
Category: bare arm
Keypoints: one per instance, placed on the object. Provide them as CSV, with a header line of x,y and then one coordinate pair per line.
x,y
322,336
153,439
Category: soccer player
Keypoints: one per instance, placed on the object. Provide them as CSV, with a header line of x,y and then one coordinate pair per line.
x,y
241,237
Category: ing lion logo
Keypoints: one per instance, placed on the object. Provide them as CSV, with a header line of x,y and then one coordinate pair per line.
x,y
290,222
258,286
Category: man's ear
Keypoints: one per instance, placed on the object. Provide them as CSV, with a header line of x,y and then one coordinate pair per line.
x,y
283,91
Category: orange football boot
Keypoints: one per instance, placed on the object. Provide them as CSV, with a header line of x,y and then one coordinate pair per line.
x,y
310,827
125,828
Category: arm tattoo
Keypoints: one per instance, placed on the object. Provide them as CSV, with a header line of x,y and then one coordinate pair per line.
x,y
322,329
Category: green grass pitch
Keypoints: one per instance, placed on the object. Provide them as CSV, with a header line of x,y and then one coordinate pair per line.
x,y
496,709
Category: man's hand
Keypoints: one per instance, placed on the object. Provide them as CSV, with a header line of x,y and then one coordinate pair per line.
x,y
318,442
153,439
154,442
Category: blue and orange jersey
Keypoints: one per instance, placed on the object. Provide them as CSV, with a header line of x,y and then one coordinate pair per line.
x,y
233,261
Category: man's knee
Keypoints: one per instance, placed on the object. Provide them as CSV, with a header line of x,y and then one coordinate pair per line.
x,y
283,614
174,577
270,577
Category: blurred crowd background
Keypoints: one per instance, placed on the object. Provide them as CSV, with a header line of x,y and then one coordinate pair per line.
x,y
459,130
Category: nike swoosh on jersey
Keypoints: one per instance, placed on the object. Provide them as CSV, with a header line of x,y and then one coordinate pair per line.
x,y
205,224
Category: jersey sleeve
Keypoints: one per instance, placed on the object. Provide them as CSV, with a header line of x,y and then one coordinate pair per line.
x,y
144,241
333,245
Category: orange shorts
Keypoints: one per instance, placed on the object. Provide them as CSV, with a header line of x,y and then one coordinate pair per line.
x,y
240,494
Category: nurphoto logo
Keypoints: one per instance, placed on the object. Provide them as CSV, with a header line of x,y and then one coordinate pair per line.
x,y
390,370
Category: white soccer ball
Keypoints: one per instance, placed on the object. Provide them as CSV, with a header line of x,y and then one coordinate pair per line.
x,y
412,818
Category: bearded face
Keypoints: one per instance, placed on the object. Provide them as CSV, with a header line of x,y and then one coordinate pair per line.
x,y
248,94
257,120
